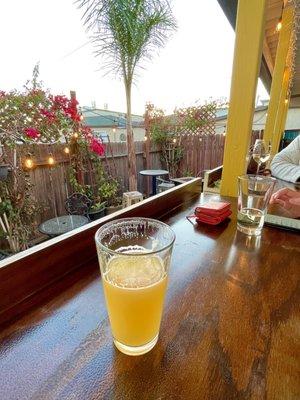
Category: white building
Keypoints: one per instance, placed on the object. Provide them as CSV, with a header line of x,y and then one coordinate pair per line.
x,y
292,127
106,123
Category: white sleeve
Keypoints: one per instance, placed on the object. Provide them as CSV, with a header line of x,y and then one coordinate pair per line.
x,y
286,164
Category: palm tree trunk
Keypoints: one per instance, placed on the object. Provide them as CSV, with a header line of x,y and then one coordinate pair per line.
x,y
130,142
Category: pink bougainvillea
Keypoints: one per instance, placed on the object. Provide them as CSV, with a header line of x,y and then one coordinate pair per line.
x,y
96,146
32,133
42,117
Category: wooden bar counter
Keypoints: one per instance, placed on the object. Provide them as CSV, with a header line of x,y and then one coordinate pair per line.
x,y
230,327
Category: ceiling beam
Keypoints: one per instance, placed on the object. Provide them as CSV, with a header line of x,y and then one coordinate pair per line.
x,y
229,8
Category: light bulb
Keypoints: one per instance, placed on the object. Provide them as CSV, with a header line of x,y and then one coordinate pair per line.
x,y
67,150
81,117
114,130
75,135
51,160
279,25
28,163
174,140
286,101
145,138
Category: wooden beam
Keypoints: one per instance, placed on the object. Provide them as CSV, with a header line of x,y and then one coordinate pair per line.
x,y
279,70
247,59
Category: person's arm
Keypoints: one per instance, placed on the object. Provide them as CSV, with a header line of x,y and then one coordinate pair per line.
x,y
286,164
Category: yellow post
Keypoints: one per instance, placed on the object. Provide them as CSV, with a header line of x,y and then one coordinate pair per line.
x,y
284,118
281,114
278,73
249,30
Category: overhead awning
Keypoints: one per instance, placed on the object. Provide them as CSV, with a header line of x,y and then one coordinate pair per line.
x,y
273,16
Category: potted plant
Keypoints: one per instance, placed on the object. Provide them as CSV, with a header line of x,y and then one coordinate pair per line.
x,y
97,211
106,198
115,204
108,191
100,194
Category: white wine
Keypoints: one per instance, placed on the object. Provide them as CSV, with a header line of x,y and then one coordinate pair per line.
x,y
264,158
260,158
256,157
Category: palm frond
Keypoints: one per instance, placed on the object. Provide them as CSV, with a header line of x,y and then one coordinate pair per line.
x,y
127,31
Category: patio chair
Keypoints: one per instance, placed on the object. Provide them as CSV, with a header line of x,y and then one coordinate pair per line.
x,y
78,204
164,184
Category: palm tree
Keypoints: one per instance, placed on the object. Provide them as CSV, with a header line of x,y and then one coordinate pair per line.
x,y
126,32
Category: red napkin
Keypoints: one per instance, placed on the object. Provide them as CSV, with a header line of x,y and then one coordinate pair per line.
x,y
209,219
213,208
212,213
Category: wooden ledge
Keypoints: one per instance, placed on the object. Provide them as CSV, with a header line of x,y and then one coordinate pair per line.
x,y
25,275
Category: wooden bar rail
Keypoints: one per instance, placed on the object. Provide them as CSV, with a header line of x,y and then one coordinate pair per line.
x,y
26,274
230,327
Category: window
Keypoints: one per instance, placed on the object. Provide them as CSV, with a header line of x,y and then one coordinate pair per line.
x,y
103,135
122,137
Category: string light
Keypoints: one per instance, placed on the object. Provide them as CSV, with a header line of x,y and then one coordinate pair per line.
x,y
145,138
75,135
114,130
81,117
67,150
174,140
291,61
279,25
51,160
286,101
28,163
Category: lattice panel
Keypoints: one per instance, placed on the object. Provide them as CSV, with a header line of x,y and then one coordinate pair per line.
x,y
189,121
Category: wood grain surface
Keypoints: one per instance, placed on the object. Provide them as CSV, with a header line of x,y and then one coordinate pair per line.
x,y
230,327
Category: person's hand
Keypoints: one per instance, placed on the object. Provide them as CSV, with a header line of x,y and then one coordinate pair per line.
x,y
288,199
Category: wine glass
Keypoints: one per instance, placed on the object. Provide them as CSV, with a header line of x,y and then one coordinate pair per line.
x,y
261,153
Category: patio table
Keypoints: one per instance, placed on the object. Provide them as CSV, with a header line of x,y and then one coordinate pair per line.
x,y
229,328
154,173
59,225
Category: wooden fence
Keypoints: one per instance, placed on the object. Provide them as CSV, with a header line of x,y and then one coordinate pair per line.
x,y
51,184
201,152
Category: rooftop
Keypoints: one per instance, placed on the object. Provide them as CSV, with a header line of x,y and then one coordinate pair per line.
x,y
95,117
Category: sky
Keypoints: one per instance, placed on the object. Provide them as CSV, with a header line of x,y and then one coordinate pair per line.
x,y
194,65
